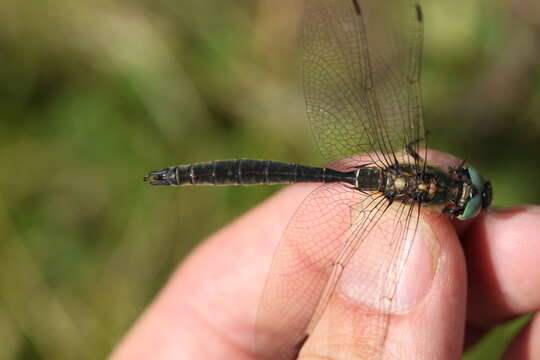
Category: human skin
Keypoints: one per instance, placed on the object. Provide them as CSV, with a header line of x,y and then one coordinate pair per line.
x,y
472,276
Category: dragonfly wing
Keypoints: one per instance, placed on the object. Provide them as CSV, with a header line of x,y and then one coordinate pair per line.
x,y
333,226
362,64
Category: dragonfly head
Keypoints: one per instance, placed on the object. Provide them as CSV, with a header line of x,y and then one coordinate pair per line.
x,y
480,197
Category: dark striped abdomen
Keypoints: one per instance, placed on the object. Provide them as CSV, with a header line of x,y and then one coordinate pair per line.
x,y
252,172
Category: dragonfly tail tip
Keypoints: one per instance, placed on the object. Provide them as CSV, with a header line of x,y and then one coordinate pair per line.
x,y
158,177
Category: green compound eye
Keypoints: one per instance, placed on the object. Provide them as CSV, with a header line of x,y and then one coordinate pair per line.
x,y
472,208
474,205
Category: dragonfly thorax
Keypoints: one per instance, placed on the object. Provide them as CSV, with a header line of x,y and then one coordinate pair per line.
x,y
459,192
405,183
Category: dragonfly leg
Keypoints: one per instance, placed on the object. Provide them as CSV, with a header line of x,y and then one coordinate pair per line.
x,y
391,196
456,170
459,173
453,211
410,150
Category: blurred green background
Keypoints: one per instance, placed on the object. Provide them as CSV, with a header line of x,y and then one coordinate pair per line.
x,y
95,93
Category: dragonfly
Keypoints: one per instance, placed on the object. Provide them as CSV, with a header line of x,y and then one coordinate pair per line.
x,y
361,68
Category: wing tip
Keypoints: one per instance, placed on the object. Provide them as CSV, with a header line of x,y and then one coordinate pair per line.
x,y
419,14
357,7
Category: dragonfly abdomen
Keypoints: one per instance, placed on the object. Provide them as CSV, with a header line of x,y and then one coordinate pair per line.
x,y
246,172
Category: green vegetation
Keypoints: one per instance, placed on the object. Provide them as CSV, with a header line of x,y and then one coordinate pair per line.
x,y
93,94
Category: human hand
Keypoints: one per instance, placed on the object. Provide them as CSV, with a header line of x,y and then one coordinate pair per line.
x,y
208,308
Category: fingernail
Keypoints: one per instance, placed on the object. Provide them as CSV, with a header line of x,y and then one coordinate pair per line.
x,y
367,279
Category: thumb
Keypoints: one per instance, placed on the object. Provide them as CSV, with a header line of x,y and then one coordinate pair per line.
x,y
423,319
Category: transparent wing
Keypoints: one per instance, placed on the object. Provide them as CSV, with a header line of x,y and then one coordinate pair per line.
x,y
362,63
332,226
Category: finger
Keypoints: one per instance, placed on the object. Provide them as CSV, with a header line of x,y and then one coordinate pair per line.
x,y
502,259
431,295
308,259
526,346
207,310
